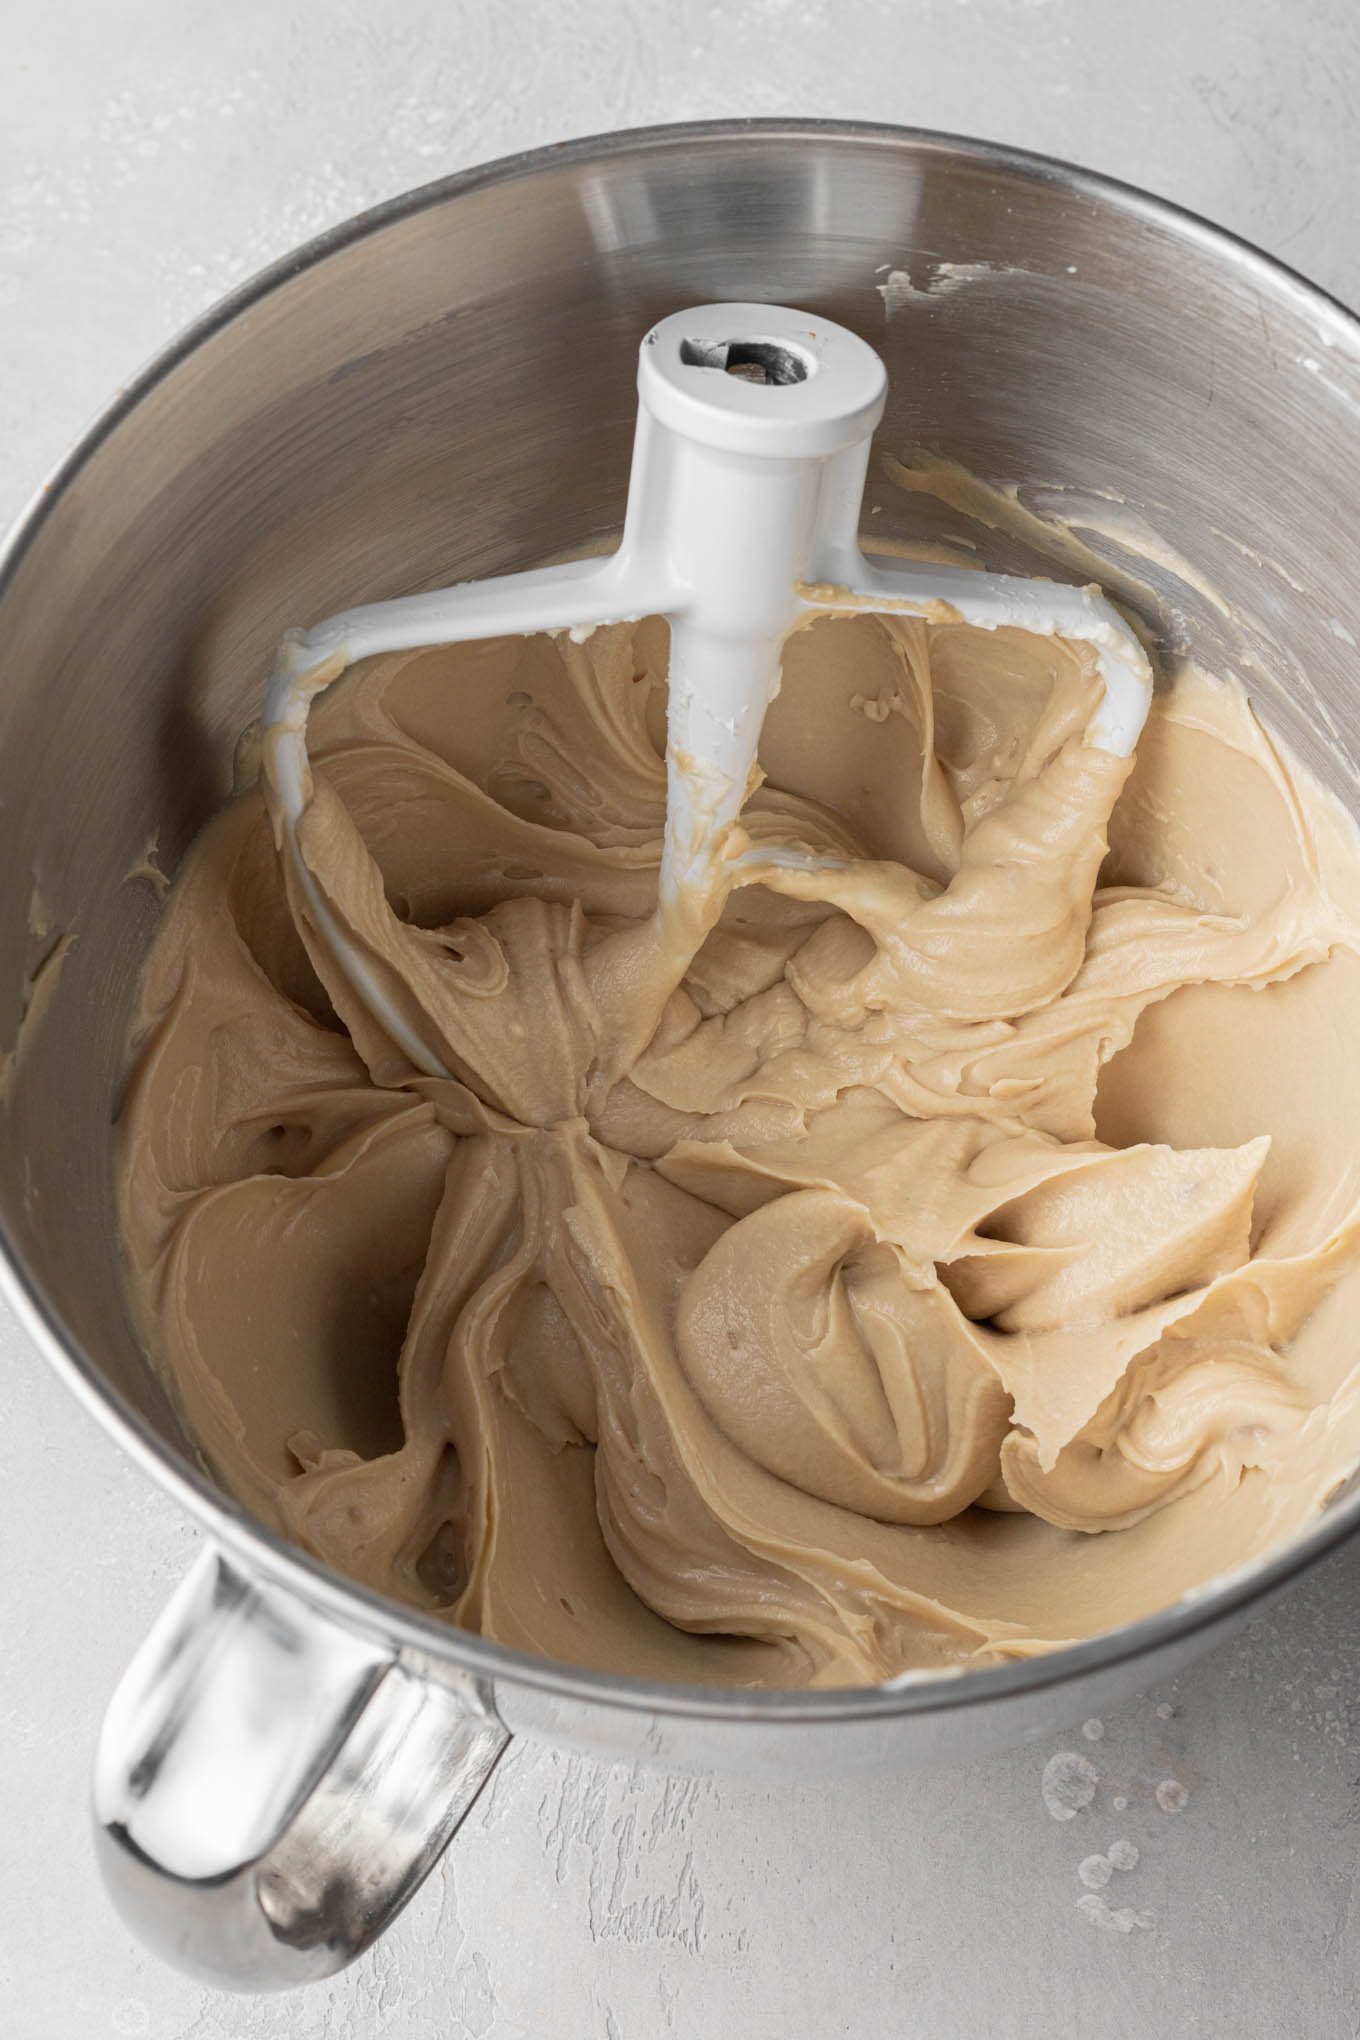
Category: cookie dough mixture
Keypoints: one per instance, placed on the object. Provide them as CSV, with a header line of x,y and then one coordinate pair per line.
x,y
964,1264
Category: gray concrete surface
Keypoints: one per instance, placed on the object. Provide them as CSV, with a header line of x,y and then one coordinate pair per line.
x,y
154,152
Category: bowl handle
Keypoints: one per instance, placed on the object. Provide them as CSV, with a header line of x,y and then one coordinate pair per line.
x,y
270,1788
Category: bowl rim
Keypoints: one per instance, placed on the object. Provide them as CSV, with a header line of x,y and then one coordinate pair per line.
x,y
261,1551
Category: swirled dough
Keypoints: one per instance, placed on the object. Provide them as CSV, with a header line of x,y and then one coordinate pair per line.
x,y
954,1257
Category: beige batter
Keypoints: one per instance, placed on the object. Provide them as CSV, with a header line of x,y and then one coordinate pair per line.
x,y
966,1263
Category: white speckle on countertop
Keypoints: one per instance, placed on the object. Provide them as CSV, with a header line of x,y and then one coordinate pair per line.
x,y
1120,1919
1068,1784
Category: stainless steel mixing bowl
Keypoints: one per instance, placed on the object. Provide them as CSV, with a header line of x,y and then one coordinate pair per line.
x,y
441,389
